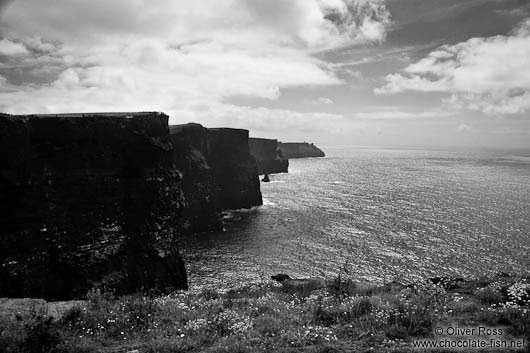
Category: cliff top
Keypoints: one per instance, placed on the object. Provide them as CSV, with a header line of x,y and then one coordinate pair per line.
x,y
84,115
228,129
263,139
180,127
297,143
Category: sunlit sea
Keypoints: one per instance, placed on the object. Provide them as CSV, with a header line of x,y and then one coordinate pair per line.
x,y
377,215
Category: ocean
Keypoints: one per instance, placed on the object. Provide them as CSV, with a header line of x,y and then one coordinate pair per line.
x,y
376,215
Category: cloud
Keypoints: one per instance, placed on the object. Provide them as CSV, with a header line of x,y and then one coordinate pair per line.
x,y
8,47
311,23
491,74
150,75
178,57
323,100
394,115
464,128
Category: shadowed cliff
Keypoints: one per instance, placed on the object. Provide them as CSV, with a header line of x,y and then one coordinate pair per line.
x,y
88,201
225,154
268,158
99,200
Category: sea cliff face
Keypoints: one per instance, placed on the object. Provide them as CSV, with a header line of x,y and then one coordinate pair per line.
x,y
225,153
299,150
88,201
191,145
99,200
265,151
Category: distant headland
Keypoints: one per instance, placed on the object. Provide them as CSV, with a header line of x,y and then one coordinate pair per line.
x,y
299,150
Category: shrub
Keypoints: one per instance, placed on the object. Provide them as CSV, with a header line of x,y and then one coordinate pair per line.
x,y
519,293
514,318
268,326
300,290
42,335
98,299
37,335
489,295
112,318
416,311
361,307
72,316
324,317
326,349
210,294
340,288
230,322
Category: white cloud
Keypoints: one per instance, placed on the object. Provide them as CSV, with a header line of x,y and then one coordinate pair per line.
x,y
275,120
392,115
148,75
310,23
323,100
8,47
175,56
491,75
464,128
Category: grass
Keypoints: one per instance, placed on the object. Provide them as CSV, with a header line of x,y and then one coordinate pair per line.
x,y
270,317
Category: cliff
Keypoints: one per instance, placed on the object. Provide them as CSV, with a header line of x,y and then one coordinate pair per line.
x,y
225,153
265,151
299,150
235,169
88,200
202,211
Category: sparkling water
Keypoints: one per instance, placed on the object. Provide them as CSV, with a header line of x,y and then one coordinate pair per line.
x,y
376,215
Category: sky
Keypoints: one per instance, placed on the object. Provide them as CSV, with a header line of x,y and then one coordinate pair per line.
x,y
401,73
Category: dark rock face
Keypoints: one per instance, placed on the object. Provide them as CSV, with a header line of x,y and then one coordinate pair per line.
x,y
299,150
226,153
235,169
88,200
265,151
280,277
191,145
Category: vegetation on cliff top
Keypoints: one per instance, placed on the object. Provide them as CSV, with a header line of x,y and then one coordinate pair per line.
x,y
270,317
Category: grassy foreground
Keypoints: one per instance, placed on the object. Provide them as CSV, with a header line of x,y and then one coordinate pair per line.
x,y
270,317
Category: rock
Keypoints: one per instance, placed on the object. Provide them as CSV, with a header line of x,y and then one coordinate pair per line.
x,y
299,150
88,200
191,146
21,309
56,310
268,160
280,277
235,169
447,283
394,286
225,152
27,308
305,284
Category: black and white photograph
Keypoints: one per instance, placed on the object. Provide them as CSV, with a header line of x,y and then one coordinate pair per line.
x,y
248,176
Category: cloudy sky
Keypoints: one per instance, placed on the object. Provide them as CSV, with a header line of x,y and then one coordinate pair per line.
x,y
356,72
